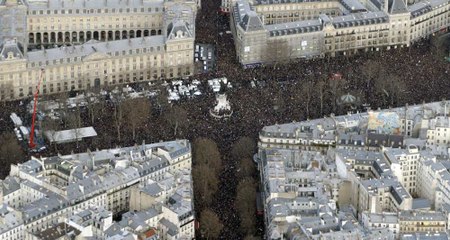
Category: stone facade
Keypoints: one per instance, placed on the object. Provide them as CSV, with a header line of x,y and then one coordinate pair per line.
x,y
154,40
299,29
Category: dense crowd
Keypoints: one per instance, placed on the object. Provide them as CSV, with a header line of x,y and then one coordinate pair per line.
x,y
421,76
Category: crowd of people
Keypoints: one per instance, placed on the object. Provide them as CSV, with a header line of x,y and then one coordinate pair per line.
x,y
281,95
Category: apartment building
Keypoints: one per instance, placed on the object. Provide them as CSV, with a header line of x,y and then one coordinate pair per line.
x,y
385,220
55,188
270,31
416,221
46,23
98,58
309,168
404,165
433,181
438,134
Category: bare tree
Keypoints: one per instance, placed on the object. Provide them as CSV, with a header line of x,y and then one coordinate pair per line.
x,y
244,147
93,107
74,122
63,106
136,112
336,88
279,102
118,117
210,224
246,168
251,237
306,94
161,99
321,88
370,69
10,153
206,184
177,118
51,126
206,152
390,88
246,204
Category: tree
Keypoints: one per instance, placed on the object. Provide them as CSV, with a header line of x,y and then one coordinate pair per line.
x,y
390,88
177,118
246,204
10,153
206,152
336,88
370,69
63,106
306,94
118,118
321,87
246,168
161,99
73,120
251,237
278,102
136,112
210,224
93,106
244,147
51,126
206,184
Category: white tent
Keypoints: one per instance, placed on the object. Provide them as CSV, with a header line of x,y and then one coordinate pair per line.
x,y
71,135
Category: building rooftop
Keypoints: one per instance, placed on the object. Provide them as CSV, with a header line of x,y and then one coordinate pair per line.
x,y
94,49
424,236
9,218
70,135
421,216
387,217
422,7
91,4
58,231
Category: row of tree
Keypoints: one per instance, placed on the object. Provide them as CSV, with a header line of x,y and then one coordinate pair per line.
x,y
245,202
207,168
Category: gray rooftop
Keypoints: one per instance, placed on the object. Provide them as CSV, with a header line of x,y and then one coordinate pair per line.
x,y
397,7
390,218
10,49
95,49
152,189
359,19
171,228
353,5
424,236
422,7
389,184
421,203
264,2
90,4
9,218
422,215
294,27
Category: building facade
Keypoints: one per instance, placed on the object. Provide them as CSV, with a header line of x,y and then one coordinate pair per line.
x,y
46,23
270,31
154,41
396,184
41,193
